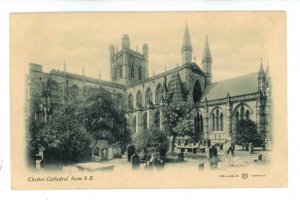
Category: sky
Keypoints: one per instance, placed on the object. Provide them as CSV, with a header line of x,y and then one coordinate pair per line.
x,y
237,40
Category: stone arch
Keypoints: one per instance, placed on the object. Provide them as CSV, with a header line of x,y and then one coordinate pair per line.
x,y
197,92
144,121
139,99
130,101
158,93
156,118
55,91
244,110
74,92
148,97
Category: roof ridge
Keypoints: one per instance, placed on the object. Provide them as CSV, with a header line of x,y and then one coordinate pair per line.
x,y
237,77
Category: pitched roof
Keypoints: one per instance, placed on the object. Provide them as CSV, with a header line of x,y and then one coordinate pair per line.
x,y
243,85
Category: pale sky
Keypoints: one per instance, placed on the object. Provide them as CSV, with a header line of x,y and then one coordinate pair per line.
x,y
237,40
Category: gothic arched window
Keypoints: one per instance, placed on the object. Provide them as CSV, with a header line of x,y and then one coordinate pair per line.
x,y
130,101
140,73
131,69
148,97
138,99
221,122
159,93
197,92
213,121
218,120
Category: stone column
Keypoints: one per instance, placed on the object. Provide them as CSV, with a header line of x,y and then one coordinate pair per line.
x,y
205,121
268,115
139,120
228,118
259,118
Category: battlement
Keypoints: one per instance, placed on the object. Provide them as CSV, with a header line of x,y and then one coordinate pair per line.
x,y
85,78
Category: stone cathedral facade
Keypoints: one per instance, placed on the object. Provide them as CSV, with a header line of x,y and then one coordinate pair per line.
x,y
220,104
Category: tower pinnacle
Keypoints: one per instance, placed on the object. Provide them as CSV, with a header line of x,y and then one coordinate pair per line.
x,y
186,49
206,54
207,62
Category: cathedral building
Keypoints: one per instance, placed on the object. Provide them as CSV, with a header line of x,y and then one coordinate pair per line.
x,y
220,104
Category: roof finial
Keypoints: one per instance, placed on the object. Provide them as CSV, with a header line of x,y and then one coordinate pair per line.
x,y
65,67
83,71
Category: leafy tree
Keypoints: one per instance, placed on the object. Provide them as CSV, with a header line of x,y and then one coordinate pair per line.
x,y
152,139
65,136
246,132
178,120
104,120
73,127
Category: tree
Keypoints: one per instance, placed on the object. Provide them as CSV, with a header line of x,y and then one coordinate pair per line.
x,y
74,126
152,139
246,132
178,120
104,119
64,138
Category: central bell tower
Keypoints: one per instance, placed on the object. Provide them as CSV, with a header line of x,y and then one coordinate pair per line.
x,y
128,66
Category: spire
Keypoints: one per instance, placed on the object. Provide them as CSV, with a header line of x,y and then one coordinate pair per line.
x,y
186,49
261,68
206,53
186,39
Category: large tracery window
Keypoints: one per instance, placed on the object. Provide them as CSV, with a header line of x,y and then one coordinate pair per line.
x,y
242,112
218,120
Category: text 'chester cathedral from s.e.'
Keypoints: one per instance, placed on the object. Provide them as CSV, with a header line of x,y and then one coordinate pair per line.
x,y
220,104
